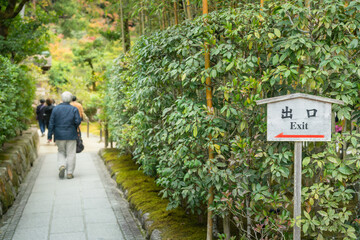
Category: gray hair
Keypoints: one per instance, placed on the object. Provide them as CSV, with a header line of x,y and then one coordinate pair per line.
x,y
66,97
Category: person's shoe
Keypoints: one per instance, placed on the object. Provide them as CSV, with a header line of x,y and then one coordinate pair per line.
x,y
43,134
61,172
70,176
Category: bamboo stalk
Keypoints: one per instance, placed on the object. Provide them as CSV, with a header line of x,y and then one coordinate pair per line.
x,y
184,8
210,112
163,16
176,13
142,18
261,6
189,11
122,26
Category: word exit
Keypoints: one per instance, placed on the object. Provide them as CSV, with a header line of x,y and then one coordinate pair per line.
x,y
300,126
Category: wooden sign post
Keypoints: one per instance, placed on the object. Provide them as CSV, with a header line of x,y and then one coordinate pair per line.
x,y
297,118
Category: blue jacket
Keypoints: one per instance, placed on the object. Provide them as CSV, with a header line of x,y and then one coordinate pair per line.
x,y
64,122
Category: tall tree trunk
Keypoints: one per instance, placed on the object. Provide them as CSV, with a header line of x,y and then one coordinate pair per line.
x,y
248,218
210,112
127,35
148,21
226,226
122,26
169,18
163,15
93,79
188,9
140,25
4,29
176,13
142,18
184,8
106,134
160,22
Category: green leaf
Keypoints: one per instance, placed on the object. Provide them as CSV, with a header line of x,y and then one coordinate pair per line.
x,y
345,170
277,32
306,161
354,43
306,214
233,111
230,66
213,73
195,131
320,237
190,62
306,227
282,58
352,235
332,159
322,213
275,59
354,141
183,77
271,35
217,147
242,125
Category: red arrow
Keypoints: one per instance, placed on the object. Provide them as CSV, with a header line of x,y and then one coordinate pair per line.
x,y
281,135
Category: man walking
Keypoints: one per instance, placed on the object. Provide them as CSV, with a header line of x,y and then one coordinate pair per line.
x,y
40,116
64,121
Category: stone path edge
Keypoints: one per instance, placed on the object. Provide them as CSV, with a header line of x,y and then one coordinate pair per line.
x,y
16,159
114,192
11,218
143,218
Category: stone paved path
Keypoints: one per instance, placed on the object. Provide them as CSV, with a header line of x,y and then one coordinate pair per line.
x,y
88,207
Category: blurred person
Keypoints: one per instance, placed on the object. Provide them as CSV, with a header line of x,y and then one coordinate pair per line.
x,y
79,107
40,116
64,121
47,112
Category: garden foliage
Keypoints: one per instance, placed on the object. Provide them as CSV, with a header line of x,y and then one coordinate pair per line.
x,y
157,111
17,91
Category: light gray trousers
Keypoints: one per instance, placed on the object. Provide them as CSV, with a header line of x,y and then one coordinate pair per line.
x,y
67,154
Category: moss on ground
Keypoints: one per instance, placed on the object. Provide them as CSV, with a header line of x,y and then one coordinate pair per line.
x,y
144,195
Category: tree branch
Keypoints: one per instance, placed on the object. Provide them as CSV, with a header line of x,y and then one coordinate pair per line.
x,y
19,8
11,10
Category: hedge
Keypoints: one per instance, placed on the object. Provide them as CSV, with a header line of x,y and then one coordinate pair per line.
x,y
17,91
156,107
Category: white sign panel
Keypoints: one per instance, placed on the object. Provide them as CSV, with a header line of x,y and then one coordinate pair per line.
x,y
299,119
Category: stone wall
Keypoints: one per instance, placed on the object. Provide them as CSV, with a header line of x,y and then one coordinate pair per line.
x,y
16,158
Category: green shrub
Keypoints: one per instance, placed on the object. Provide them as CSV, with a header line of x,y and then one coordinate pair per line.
x,y
160,95
17,91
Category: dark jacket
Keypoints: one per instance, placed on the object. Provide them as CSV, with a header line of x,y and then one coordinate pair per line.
x,y
40,112
47,114
64,122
